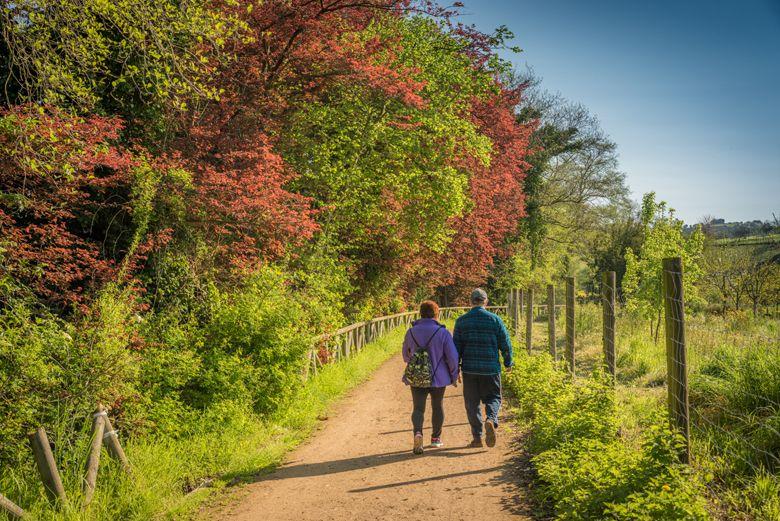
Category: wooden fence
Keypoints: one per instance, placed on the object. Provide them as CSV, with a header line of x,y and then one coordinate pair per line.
x,y
349,340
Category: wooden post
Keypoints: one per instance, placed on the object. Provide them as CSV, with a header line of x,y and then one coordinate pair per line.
x,y
47,467
551,321
12,508
521,300
115,450
529,320
608,291
93,461
676,356
570,323
313,360
510,310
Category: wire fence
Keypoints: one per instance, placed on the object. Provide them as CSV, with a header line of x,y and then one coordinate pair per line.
x,y
721,379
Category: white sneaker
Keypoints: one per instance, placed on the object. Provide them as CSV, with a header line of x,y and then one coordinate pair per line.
x,y
418,443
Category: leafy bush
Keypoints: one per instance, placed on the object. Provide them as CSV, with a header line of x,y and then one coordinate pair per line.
x,y
254,346
587,470
52,372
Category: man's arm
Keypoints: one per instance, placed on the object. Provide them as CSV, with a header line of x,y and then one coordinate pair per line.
x,y
457,338
504,343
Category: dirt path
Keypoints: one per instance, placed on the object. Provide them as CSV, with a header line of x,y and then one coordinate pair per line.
x,y
359,466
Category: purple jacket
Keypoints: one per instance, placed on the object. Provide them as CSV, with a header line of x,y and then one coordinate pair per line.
x,y
444,356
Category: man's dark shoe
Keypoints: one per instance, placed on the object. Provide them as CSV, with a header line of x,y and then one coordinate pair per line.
x,y
490,433
476,443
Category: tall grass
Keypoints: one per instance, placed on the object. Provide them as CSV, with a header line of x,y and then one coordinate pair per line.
x,y
172,477
734,385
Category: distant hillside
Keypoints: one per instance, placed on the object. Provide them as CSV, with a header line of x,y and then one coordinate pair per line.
x,y
720,229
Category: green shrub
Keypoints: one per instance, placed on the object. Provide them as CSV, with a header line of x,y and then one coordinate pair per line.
x,y
253,346
587,470
52,372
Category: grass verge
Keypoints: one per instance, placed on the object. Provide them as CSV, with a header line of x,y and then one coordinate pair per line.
x,y
172,478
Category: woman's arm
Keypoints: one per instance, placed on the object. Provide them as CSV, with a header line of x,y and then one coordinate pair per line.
x,y
408,348
451,355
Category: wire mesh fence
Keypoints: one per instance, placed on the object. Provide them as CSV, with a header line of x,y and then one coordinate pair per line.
x,y
720,377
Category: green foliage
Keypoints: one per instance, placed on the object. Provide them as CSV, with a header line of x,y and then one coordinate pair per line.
x,y
587,469
112,55
254,345
381,164
226,443
733,385
52,372
663,237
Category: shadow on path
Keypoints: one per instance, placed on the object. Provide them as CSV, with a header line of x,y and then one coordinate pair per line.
x,y
425,428
517,481
305,470
423,480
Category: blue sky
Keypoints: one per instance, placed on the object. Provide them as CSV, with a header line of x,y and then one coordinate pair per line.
x,y
688,89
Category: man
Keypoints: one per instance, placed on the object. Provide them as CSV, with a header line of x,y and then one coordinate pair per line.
x,y
479,337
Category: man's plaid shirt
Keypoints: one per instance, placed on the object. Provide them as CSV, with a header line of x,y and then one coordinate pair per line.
x,y
479,336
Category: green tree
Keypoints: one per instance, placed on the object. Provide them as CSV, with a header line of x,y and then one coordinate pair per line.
x,y
123,57
663,237
381,163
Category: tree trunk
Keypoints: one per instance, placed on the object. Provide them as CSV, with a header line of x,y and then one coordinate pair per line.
x,y
657,326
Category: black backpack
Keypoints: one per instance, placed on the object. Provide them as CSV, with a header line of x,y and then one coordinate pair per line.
x,y
419,372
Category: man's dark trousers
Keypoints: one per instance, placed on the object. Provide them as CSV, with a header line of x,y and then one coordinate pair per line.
x,y
479,389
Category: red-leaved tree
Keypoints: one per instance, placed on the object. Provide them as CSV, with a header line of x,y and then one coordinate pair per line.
x,y
65,200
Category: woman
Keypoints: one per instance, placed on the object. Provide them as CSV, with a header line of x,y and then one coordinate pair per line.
x,y
429,333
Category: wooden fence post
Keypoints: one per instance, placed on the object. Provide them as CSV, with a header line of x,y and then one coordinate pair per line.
x,y
529,320
608,291
312,362
12,508
111,441
520,308
676,356
93,460
47,467
551,321
510,309
570,323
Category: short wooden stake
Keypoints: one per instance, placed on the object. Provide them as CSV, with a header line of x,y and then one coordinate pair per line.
x,y
608,291
551,321
93,460
676,354
47,467
114,448
529,320
570,323
12,508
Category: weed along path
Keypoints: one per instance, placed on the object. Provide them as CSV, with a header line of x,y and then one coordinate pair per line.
x,y
359,466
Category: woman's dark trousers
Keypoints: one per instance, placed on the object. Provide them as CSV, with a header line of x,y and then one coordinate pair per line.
x,y
419,397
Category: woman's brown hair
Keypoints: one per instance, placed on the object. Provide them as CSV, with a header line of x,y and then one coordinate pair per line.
x,y
429,309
